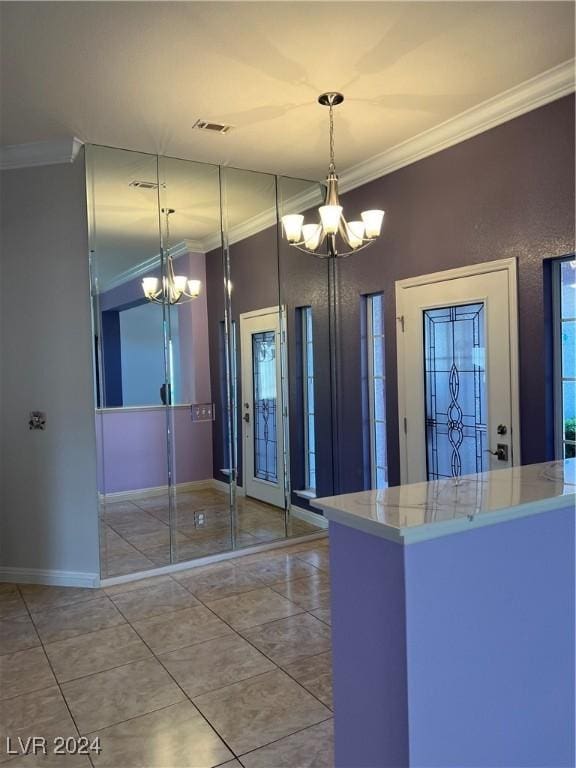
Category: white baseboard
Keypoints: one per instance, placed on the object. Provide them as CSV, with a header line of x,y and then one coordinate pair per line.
x,y
309,517
220,485
160,490
51,578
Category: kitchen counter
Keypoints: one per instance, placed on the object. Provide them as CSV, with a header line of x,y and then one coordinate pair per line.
x,y
453,616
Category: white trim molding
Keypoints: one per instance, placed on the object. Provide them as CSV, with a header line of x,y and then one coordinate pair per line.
x,y
314,518
55,152
49,577
531,94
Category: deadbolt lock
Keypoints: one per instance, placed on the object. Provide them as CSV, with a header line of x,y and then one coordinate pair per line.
x,y
502,429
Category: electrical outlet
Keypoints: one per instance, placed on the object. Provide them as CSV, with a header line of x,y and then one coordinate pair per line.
x,y
202,412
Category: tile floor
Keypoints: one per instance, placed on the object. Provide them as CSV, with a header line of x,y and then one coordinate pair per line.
x,y
223,665
135,535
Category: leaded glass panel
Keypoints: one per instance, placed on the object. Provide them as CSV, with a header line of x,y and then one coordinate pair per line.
x,y
265,411
455,396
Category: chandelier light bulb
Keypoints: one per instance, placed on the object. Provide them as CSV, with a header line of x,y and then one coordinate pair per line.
x,y
355,233
180,283
194,287
330,216
292,224
312,234
373,222
150,286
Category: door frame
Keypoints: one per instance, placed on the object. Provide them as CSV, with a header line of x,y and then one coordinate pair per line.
x,y
280,311
501,265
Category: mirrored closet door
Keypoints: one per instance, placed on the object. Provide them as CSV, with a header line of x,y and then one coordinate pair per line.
x,y
199,334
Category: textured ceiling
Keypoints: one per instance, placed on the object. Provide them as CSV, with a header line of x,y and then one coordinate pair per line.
x,y
139,75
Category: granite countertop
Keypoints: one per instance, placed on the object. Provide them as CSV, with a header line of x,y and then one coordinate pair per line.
x,y
411,513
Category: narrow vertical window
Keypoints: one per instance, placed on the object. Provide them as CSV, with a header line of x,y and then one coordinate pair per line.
x,y
376,390
308,399
564,287
228,436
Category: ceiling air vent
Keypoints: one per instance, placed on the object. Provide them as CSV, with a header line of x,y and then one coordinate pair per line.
x,y
208,125
143,184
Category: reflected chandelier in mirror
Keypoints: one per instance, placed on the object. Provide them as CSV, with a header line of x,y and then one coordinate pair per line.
x,y
173,289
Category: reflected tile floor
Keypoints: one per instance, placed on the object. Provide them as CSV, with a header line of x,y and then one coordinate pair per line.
x,y
213,666
135,535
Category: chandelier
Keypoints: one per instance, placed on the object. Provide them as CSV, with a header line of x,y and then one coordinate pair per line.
x,y
171,289
333,229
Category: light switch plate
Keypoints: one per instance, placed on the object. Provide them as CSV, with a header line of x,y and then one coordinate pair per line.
x,y
202,412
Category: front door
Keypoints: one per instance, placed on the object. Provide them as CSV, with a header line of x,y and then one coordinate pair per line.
x,y
262,406
457,372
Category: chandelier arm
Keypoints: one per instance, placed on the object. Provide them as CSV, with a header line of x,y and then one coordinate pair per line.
x,y
343,230
311,253
355,250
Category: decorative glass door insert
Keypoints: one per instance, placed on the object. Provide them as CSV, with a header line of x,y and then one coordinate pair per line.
x,y
265,400
455,390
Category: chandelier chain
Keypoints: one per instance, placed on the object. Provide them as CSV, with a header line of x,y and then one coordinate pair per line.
x,y
332,167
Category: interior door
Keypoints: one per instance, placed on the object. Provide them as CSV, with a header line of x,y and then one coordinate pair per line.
x,y
262,424
457,372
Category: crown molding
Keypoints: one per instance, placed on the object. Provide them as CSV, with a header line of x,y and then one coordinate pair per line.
x,y
144,267
531,94
56,152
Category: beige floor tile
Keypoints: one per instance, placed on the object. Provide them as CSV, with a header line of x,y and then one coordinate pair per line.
x,y
11,604
280,568
77,619
214,664
257,711
95,652
315,674
177,630
121,565
310,593
153,601
169,738
324,614
24,671
138,522
17,634
318,557
39,597
50,760
119,694
310,748
251,608
42,713
218,581
129,586
290,639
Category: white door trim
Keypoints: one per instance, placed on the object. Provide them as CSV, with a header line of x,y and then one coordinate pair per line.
x,y
501,265
246,360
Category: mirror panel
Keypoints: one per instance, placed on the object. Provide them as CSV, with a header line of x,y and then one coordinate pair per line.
x,y
213,413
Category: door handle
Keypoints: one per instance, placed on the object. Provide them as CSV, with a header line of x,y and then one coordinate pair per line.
x,y
247,418
501,452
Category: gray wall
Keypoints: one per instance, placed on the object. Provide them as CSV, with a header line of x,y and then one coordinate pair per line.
x,y
49,517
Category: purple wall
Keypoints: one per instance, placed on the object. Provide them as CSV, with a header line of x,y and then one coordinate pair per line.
x,y
132,442
455,652
132,449
490,639
508,192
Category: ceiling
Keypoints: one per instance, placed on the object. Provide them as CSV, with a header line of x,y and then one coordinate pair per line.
x,y
139,75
